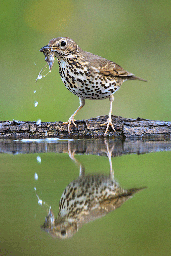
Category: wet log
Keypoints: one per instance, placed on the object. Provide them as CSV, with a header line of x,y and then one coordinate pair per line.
x,y
125,128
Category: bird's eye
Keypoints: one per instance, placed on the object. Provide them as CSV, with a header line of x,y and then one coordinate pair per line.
x,y
63,43
63,232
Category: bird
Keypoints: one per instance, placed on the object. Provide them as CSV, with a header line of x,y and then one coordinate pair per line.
x,y
87,198
85,74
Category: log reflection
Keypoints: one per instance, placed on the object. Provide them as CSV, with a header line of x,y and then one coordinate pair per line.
x,y
86,199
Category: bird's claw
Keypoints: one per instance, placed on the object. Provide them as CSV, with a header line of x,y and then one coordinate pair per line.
x,y
108,123
70,121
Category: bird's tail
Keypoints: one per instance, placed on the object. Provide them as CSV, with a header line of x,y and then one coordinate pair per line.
x,y
132,77
132,191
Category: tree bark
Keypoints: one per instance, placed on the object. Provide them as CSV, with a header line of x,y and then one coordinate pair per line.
x,y
125,128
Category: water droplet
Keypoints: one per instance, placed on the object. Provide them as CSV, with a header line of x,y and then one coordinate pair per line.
x,y
39,159
36,103
35,91
40,202
39,77
35,176
35,188
38,122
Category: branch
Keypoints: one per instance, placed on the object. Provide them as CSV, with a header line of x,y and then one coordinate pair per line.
x,y
126,128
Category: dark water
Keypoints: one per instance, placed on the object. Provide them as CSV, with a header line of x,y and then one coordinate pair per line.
x,y
100,178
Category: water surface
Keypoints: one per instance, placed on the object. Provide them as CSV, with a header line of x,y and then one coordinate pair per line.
x,y
31,183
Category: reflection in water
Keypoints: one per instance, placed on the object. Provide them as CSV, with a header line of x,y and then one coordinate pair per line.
x,y
85,199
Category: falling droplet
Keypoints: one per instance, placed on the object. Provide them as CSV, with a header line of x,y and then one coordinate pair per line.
x,y
35,91
39,159
35,176
38,122
36,103
39,77
40,202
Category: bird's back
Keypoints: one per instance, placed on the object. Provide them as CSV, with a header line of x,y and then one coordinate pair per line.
x,y
106,67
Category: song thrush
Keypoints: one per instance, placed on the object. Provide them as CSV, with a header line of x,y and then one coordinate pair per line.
x,y
86,199
86,75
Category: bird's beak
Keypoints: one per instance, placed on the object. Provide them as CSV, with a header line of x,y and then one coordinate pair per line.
x,y
45,48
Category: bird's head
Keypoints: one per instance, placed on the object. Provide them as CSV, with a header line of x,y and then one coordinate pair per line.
x,y
60,47
60,227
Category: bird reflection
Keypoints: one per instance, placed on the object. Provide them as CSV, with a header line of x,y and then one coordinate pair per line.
x,y
86,199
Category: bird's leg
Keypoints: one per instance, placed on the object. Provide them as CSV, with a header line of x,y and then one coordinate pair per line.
x,y
109,120
109,151
71,119
109,155
71,152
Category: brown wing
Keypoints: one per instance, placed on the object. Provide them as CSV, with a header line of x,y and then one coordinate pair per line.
x,y
109,68
114,70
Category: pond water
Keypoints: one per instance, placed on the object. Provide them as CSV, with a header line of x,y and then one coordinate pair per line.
x,y
105,217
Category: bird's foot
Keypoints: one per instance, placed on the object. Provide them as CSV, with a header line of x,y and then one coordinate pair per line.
x,y
108,123
71,120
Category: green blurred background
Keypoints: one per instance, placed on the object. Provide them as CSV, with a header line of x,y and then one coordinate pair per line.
x,y
134,34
